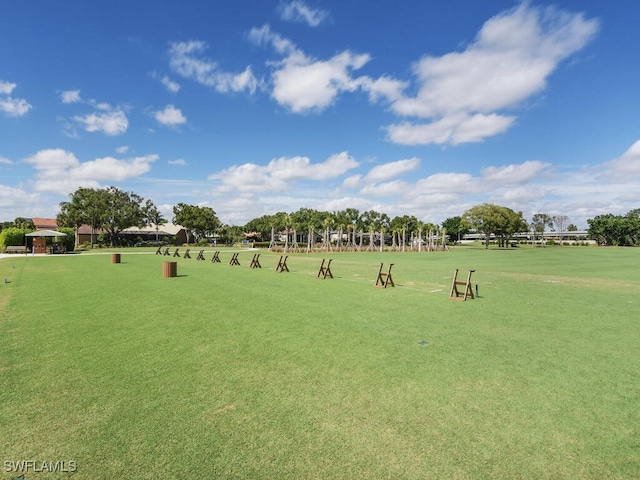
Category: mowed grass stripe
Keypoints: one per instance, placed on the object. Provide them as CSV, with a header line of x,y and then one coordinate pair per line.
x,y
237,373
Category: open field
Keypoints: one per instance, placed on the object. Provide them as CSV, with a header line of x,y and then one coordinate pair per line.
x,y
229,372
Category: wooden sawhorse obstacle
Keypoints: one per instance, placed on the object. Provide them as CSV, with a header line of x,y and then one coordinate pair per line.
x,y
255,263
325,272
234,260
186,254
176,253
166,252
159,251
384,279
216,258
201,255
282,264
461,295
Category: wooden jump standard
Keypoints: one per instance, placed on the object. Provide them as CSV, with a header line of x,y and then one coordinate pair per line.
x,y
467,292
384,279
255,263
216,257
282,264
201,255
234,260
325,272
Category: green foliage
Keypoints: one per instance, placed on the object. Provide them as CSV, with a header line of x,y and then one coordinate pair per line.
x,y
12,236
21,223
152,215
455,228
616,230
110,209
123,210
539,222
198,221
69,240
491,219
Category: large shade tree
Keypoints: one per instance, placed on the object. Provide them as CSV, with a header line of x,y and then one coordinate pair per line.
x,y
616,230
490,219
123,210
109,209
198,221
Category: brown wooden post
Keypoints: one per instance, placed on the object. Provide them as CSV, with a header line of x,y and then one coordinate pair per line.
x,y
169,269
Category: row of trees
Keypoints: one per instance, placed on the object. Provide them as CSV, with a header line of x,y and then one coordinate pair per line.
x,y
616,230
112,210
347,223
492,221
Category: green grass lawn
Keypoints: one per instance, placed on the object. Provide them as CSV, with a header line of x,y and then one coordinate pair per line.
x,y
229,372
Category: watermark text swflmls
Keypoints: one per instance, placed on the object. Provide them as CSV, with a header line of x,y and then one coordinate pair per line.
x,y
25,466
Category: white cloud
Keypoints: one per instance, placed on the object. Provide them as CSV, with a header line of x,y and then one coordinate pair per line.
x,y
453,129
385,189
110,169
14,107
298,11
302,168
5,161
354,181
342,203
263,36
6,87
625,168
510,60
122,149
448,182
185,60
52,159
279,173
179,161
70,96
521,198
61,172
514,174
390,170
14,201
110,122
383,88
172,86
302,83
170,116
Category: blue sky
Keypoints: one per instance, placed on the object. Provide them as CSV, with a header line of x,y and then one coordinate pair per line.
x,y
255,106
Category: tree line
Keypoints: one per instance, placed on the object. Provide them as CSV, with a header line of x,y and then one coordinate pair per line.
x,y
616,230
111,210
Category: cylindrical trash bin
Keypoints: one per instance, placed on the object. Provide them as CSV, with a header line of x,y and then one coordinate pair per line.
x,y
169,269
115,258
